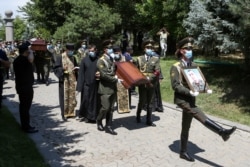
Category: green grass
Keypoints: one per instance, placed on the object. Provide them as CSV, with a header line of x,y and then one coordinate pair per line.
x,y
231,94
16,148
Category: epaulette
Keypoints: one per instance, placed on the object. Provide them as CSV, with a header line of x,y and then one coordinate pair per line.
x,y
177,64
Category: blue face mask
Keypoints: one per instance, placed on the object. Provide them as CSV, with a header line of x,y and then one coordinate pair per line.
x,y
92,54
110,51
189,54
83,46
117,56
70,53
49,47
149,52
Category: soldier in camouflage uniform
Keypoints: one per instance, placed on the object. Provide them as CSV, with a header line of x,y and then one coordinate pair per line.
x,y
82,51
149,65
107,88
185,99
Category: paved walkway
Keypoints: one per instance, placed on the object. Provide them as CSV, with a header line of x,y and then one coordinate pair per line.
x,y
76,144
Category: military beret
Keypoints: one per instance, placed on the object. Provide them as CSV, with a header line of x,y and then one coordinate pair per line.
x,y
108,43
148,43
70,46
116,48
58,41
186,42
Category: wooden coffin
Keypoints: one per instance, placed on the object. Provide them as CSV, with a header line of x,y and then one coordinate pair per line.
x,y
39,45
130,74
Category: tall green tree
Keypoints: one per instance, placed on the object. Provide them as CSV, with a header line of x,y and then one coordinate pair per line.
x,y
241,11
20,28
88,19
46,13
210,23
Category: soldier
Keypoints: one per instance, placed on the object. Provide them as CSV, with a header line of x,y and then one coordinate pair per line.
x,y
107,87
185,99
46,61
58,50
82,51
149,65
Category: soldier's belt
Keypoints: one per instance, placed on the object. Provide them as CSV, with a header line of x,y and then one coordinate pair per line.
x,y
147,73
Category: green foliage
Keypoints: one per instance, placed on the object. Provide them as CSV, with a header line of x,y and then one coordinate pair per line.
x,y
19,28
87,18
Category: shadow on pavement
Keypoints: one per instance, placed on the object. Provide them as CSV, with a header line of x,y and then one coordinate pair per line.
x,y
193,149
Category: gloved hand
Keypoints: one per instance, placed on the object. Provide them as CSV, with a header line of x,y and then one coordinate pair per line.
x,y
148,78
193,93
119,80
209,91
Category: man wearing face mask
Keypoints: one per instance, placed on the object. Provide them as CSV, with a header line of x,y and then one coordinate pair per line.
x,y
107,87
58,50
66,69
185,99
87,85
149,65
82,51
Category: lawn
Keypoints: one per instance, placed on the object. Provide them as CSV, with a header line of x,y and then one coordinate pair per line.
x,y
16,148
231,94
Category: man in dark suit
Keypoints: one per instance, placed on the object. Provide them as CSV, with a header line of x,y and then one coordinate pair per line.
x,y
24,81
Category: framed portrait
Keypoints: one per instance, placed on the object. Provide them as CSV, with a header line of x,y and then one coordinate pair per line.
x,y
195,79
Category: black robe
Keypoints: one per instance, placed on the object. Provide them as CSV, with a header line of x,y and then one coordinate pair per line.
x,y
88,86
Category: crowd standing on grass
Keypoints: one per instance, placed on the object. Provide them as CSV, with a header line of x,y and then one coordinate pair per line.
x,y
92,74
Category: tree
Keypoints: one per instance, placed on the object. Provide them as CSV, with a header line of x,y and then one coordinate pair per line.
x,y
46,13
87,18
19,28
241,11
210,23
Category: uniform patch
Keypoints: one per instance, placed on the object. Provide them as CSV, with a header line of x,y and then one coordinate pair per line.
x,y
172,74
101,66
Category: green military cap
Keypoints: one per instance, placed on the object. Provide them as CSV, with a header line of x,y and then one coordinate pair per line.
x,y
148,43
70,46
184,43
116,48
108,43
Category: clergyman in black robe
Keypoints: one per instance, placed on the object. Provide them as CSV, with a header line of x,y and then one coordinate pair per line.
x,y
87,84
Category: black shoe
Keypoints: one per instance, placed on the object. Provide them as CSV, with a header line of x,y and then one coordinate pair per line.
x,y
186,156
109,130
159,110
89,121
225,134
99,125
150,124
47,83
64,119
31,130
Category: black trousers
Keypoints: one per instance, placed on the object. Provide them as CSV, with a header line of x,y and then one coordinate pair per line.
x,y
25,99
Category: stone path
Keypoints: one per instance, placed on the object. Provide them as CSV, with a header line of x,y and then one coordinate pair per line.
x,y
75,144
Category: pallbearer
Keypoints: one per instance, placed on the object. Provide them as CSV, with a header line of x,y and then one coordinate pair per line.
x,y
149,65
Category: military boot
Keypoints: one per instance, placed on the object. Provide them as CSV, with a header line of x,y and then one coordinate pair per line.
x,y
183,153
108,127
224,133
149,117
99,125
138,115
